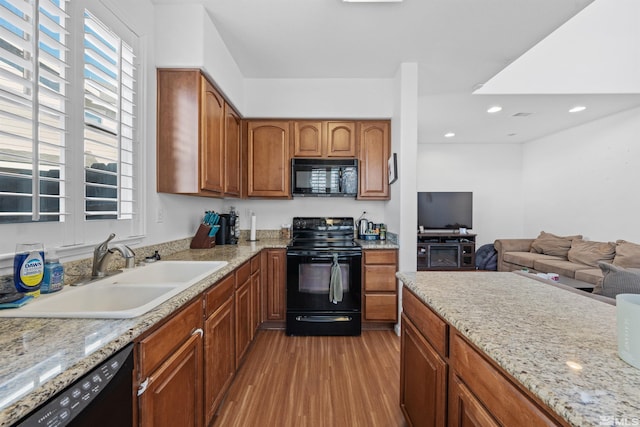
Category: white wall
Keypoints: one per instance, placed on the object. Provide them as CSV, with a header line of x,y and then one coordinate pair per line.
x,y
401,209
492,171
186,37
318,98
584,180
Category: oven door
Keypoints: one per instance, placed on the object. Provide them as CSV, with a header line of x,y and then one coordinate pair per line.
x,y
309,309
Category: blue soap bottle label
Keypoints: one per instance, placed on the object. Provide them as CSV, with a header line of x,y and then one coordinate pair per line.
x,y
28,268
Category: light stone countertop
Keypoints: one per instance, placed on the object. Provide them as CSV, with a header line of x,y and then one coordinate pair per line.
x,y
40,357
532,329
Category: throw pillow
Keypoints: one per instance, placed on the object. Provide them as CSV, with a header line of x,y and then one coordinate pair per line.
x,y
618,280
590,253
550,244
627,254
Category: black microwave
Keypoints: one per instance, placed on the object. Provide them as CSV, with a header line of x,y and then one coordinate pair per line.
x,y
324,177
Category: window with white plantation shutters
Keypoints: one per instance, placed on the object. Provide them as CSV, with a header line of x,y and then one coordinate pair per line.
x,y
109,115
33,110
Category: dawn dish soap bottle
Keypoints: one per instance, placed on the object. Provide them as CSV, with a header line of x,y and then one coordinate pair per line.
x,y
28,268
53,279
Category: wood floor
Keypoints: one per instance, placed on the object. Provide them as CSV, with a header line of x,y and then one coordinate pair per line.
x,y
316,381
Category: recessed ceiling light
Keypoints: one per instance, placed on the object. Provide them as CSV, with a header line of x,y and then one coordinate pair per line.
x,y
494,109
449,135
577,109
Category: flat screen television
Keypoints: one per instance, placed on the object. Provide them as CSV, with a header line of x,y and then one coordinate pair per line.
x,y
445,210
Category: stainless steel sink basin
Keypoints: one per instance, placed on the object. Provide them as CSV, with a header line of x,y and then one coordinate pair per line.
x,y
124,295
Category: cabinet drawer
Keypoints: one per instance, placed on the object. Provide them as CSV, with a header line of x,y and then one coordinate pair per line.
x,y
164,341
255,264
375,256
220,293
506,402
381,307
434,329
242,273
380,278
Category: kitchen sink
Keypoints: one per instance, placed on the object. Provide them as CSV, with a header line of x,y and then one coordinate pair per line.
x,y
124,295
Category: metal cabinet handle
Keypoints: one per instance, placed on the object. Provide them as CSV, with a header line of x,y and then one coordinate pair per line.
x,y
198,331
143,386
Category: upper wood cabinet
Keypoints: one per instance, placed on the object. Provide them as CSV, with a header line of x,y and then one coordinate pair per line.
x,y
233,150
212,150
373,156
268,159
324,139
341,139
198,136
307,139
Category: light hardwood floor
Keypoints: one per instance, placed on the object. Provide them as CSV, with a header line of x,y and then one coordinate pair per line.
x,y
316,381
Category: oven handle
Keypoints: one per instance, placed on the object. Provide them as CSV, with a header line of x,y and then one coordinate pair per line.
x,y
324,256
324,319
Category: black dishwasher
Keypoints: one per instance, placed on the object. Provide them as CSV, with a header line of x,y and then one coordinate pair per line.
x,y
102,397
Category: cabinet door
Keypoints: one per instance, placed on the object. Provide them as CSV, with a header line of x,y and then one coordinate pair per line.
x,y
374,152
178,131
423,376
232,167
173,396
256,295
307,139
464,408
276,284
381,307
212,155
243,320
268,159
341,139
219,356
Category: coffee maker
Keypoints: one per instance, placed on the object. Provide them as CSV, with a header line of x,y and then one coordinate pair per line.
x,y
227,233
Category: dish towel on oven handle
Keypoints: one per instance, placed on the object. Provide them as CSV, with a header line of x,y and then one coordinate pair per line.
x,y
335,283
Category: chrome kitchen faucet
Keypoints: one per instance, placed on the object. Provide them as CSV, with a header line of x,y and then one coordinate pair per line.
x,y
102,253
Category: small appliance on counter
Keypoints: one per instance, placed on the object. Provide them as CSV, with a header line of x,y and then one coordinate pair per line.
x,y
227,235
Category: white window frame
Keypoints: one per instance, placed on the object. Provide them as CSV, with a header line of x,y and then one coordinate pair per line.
x,y
75,237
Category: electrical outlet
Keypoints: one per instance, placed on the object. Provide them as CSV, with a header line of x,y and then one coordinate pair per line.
x,y
160,215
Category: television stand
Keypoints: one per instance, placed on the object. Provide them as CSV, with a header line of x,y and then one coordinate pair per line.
x,y
446,251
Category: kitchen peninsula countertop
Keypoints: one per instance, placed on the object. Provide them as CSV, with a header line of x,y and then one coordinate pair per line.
x,y
532,329
41,356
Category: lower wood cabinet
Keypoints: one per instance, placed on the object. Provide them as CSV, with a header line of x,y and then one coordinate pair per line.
x,y
243,311
465,410
219,344
380,296
480,393
423,379
256,297
170,366
275,284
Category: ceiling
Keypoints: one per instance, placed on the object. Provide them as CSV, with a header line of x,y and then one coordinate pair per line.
x,y
457,44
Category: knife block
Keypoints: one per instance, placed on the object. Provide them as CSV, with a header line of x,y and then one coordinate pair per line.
x,y
201,240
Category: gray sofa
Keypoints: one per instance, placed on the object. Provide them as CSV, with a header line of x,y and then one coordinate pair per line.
x,y
575,258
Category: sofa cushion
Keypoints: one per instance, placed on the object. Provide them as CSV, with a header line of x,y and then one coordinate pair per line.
x,y
561,267
590,275
550,244
627,254
618,280
524,259
590,253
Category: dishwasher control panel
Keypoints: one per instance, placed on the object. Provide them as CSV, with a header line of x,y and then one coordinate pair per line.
x,y
60,410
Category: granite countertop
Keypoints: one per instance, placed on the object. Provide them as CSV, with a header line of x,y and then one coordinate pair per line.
x,y
377,244
40,356
532,329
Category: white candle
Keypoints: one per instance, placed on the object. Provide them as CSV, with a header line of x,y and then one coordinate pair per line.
x,y
253,227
